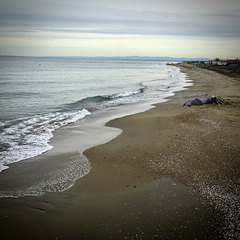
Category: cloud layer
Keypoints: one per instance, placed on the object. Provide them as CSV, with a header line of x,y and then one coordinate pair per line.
x,y
74,16
60,19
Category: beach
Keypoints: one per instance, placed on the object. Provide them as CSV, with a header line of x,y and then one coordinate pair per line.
x,y
173,173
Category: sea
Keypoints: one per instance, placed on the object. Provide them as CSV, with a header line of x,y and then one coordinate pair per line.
x,y
40,95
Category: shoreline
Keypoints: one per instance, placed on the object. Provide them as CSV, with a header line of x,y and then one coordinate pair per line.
x,y
164,176
70,141
52,121
204,154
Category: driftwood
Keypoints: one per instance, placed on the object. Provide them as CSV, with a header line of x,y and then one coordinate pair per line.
x,y
203,99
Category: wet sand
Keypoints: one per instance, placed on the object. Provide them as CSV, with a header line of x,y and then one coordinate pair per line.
x,y
173,173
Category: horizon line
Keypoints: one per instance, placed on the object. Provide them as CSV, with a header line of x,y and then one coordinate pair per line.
x,y
131,56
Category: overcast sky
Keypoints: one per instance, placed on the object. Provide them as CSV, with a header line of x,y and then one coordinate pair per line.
x,y
178,28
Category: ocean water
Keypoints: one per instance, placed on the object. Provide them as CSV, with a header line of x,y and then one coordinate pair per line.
x,y
40,95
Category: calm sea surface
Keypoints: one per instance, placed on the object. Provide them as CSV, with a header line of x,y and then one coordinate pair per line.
x,y
40,95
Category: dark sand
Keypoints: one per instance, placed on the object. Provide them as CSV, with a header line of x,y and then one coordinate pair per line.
x,y
172,174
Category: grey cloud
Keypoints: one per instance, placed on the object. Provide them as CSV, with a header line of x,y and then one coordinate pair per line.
x,y
61,17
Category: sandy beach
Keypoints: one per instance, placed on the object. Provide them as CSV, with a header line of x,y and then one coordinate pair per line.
x,y
173,173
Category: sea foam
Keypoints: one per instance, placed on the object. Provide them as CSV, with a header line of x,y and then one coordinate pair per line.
x,y
28,137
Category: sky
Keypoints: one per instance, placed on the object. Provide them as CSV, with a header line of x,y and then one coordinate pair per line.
x,y
176,28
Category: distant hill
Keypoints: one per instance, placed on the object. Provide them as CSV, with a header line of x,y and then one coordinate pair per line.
x,y
146,58
135,58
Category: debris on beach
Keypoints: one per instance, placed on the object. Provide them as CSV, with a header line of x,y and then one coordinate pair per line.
x,y
203,99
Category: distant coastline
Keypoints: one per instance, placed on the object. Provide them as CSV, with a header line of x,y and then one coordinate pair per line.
x,y
133,58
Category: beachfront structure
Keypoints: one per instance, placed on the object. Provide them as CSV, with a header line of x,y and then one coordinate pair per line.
x,y
217,61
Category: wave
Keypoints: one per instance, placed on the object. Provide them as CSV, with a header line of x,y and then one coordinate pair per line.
x,y
130,93
28,137
101,101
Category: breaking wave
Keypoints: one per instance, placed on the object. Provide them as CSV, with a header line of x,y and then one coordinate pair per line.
x,y
28,137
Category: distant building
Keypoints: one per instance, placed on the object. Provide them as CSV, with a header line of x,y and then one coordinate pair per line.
x,y
218,62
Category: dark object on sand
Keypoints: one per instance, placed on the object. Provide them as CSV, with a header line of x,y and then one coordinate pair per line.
x,y
203,99
213,100
195,101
